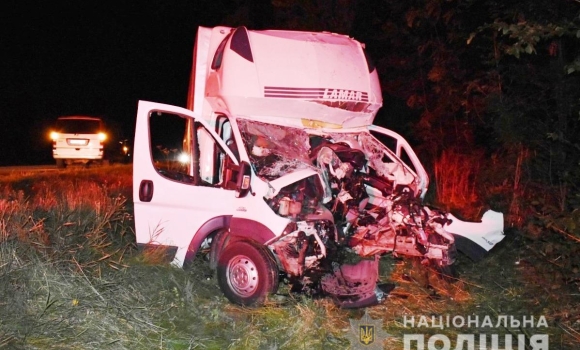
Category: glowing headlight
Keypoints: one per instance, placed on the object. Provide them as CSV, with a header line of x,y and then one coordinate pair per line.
x,y
54,135
102,136
183,158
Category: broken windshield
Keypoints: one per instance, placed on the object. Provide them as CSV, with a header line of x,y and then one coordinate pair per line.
x,y
379,158
275,150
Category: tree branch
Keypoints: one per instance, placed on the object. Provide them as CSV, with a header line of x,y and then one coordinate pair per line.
x,y
566,234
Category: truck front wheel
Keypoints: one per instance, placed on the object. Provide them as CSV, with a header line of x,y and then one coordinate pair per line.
x,y
247,273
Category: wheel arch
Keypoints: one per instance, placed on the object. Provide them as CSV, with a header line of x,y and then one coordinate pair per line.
x,y
250,229
239,229
210,227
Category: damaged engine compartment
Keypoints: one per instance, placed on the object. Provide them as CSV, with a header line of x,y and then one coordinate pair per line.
x,y
357,196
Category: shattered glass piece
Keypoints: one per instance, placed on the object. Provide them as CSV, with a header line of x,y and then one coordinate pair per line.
x,y
344,196
391,169
379,157
327,157
273,168
344,170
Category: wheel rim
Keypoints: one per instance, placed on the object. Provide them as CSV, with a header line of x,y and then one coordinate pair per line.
x,y
242,276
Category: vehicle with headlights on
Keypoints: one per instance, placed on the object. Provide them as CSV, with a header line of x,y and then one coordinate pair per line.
x,y
78,139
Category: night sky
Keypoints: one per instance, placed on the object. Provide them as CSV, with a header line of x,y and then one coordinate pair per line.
x,y
100,57
90,57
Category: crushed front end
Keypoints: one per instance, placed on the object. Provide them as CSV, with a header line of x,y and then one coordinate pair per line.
x,y
345,192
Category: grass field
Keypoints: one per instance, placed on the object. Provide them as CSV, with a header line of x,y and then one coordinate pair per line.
x,y
71,278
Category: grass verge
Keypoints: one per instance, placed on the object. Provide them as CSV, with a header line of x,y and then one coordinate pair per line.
x,y
71,278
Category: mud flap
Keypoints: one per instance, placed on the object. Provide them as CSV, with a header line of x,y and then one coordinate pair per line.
x,y
355,286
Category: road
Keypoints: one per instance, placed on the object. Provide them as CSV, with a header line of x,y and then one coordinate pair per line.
x,y
27,169
20,169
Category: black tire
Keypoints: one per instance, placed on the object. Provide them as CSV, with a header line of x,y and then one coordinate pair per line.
x,y
60,164
217,243
247,273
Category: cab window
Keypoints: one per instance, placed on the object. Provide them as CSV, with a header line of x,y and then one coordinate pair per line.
x,y
183,150
393,144
216,63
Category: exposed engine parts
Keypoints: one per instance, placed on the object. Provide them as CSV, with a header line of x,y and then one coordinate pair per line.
x,y
355,194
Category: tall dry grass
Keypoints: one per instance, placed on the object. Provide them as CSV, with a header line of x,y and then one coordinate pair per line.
x,y
58,234
73,280
469,184
456,181
75,215
70,278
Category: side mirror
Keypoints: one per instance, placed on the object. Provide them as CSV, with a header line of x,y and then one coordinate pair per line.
x,y
244,179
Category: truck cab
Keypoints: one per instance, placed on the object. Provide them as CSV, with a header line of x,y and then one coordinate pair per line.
x,y
275,166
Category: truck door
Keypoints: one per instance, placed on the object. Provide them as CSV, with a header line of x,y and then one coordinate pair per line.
x,y
172,200
403,150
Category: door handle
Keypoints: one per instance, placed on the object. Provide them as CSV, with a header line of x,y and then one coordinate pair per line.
x,y
146,191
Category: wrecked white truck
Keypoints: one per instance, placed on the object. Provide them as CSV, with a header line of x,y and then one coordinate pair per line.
x,y
275,168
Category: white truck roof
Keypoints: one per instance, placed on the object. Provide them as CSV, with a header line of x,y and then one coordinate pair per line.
x,y
318,78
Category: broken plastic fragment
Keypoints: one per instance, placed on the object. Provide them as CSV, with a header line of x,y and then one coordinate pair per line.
x,y
476,238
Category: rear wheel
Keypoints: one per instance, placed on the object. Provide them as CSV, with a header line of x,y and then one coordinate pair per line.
x,y
247,273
